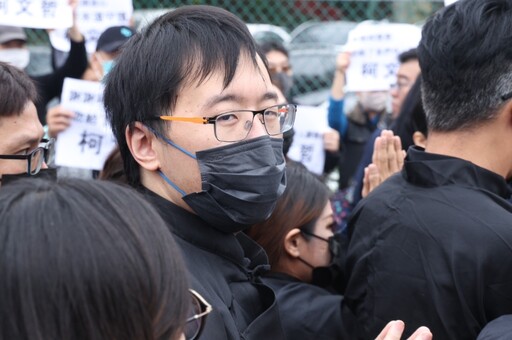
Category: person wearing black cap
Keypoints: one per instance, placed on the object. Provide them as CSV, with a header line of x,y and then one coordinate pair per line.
x,y
13,50
107,49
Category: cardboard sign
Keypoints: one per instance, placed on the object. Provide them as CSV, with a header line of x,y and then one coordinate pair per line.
x,y
89,140
36,13
93,18
308,143
374,48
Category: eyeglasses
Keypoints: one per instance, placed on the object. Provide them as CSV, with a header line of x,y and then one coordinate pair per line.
x,y
400,85
235,126
36,157
199,308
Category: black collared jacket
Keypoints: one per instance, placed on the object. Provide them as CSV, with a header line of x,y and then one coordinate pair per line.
x,y
431,246
225,269
308,312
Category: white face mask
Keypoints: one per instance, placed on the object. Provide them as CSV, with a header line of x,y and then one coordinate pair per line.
x,y
17,57
374,101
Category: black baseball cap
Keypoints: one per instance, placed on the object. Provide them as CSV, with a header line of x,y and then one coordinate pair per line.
x,y
113,38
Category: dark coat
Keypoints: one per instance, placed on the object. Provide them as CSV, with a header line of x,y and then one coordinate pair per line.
x,y
431,246
307,312
225,269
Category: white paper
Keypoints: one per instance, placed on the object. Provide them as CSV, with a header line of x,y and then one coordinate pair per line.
x,y
89,140
36,13
449,2
93,18
374,48
308,144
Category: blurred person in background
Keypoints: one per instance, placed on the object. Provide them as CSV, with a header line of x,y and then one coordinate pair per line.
x,y
59,118
14,51
99,264
281,73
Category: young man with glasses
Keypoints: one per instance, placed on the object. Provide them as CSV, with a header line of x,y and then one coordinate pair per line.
x,y
22,150
200,129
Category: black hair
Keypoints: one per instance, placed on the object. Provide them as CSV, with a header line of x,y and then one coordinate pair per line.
x,y
272,46
465,56
412,116
183,46
300,206
408,55
87,260
16,90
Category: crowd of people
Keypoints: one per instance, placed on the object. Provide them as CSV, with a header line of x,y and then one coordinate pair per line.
x,y
199,226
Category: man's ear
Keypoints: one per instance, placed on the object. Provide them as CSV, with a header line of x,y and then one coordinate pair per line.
x,y
419,139
292,243
142,143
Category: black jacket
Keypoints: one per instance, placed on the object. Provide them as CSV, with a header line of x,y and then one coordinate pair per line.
x,y
49,86
431,246
225,269
307,312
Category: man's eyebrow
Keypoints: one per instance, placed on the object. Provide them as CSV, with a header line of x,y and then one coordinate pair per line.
x,y
22,141
222,98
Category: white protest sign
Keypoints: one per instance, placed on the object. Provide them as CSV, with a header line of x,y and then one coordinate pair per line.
x,y
94,17
36,13
89,140
449,2
308,144
374,48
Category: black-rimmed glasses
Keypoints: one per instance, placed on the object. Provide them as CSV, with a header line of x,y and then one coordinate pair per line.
x,y
235,126
199,308
36,157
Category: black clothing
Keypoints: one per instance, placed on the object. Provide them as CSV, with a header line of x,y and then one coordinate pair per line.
x,y
307,312
499,329
49,85
225,269
431,246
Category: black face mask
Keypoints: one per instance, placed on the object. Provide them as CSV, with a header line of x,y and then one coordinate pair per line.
x,y
330,277
47,174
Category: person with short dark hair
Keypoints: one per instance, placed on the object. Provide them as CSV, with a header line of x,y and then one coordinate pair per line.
x,y
438,234
22,150
199,129
89,260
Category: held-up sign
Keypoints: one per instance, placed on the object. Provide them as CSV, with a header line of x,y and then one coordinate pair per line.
x,y
94,17
449,2
89,140
308,141
36,13
374,48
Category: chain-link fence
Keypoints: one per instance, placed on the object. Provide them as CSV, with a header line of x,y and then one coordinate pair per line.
x,y
285,16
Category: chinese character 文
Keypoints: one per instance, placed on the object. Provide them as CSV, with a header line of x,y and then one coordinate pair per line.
x,y
24,4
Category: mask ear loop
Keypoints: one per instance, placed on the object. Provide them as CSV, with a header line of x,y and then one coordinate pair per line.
x,y
168,141
171,143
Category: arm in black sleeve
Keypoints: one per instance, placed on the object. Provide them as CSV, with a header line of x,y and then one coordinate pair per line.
x,y
49,86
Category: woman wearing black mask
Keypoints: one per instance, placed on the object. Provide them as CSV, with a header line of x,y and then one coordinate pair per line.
x,y
305,259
